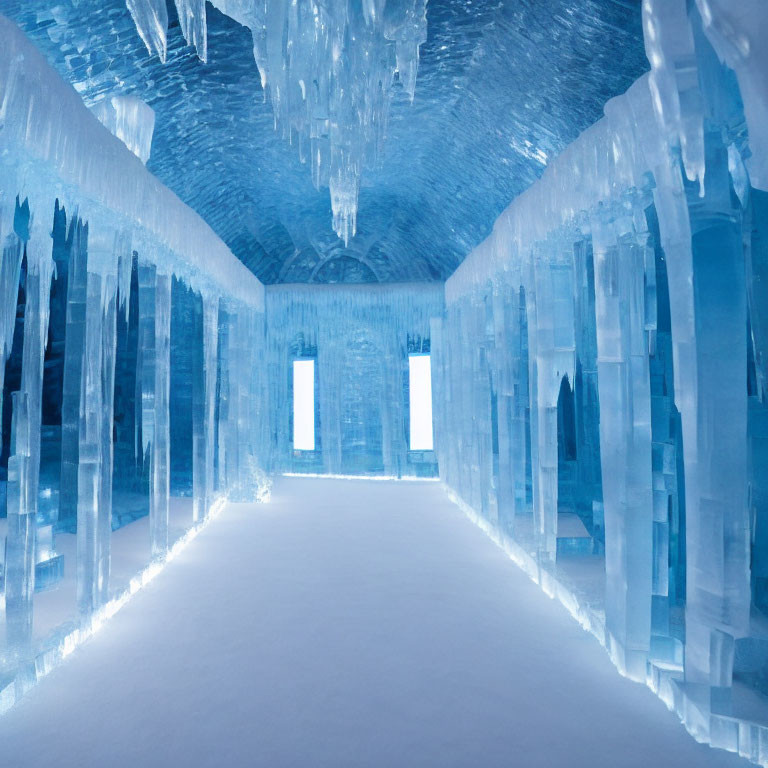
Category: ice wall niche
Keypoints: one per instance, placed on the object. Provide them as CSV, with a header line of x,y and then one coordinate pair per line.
x,y
328,69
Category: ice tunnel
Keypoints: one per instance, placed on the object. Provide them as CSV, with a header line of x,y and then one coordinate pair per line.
x,y
299,296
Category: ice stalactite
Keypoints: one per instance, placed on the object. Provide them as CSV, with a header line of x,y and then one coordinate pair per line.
x,y
151,19
328,68
329,72
193,25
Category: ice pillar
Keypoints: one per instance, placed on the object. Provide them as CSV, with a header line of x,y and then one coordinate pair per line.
x,y
94,510
552,345
154,343
625,435
24,464
74,349
204,409
160,462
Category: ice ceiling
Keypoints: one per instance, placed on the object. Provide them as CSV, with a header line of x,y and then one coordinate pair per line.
x,y
502,86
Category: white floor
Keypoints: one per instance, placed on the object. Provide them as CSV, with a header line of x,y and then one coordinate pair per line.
x,y
346,623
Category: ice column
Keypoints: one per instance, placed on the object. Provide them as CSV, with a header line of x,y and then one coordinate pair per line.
x,y
512,398
74,350
551,333
701,232
154,343
160,461
20,541
10,271
204,408
625,434
24,464
94,510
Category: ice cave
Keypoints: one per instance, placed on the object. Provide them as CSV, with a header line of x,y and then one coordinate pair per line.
x,y
384,383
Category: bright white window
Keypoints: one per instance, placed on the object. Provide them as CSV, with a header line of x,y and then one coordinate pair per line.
x,y
420,393
304,405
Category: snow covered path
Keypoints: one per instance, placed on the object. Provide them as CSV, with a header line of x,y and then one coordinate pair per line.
x,y
345,624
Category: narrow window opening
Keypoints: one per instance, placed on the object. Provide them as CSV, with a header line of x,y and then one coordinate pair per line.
x,y
420,402
304,405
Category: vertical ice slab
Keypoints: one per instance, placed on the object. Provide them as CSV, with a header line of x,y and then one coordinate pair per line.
x,y
160,462
24,464
625,435
204,405
74,350
95,454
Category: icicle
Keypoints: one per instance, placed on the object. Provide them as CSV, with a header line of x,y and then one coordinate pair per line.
x,y
151,19
349,55
193,26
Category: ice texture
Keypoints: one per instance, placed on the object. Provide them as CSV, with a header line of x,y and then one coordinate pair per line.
x,y
501,88
360,337
46,122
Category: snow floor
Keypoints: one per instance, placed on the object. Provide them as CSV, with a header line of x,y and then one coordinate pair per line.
x,y
345,623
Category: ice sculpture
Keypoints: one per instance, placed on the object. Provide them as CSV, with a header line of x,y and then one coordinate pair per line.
x,y
328,70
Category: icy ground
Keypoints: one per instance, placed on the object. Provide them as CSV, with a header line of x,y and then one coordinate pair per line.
x,y
346,623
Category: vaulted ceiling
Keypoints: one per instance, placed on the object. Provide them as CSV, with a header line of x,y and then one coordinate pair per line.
x,y
502,87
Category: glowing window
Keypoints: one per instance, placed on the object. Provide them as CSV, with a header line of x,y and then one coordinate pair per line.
x,y
304,405
420,398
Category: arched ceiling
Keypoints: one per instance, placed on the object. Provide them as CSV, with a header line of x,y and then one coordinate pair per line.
x,y
503,85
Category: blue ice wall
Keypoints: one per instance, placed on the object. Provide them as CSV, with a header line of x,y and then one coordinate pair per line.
x,y
360,338
599,369
130,393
